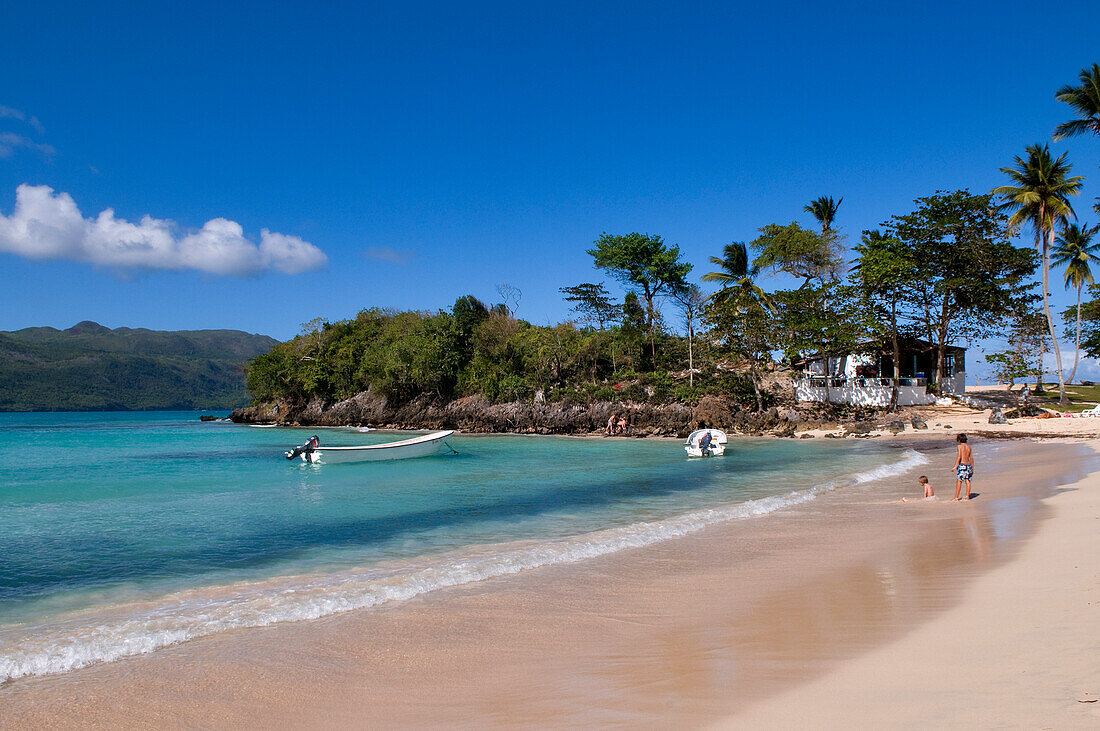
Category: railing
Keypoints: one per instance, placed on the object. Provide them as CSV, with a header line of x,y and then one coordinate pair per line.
x,y
840,382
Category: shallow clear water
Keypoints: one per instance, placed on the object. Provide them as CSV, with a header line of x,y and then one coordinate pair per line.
x,y
124,532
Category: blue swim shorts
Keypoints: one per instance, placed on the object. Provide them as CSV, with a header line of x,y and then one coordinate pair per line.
x,y
964,471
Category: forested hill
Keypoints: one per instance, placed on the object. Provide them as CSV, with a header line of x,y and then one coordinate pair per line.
x,y
90,367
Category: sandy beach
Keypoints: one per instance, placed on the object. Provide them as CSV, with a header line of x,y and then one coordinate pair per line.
x,y
854,607
1019,651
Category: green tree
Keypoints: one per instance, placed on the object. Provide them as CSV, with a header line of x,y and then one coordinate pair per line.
x,y
793,250
1074,249
1090,322
734,273
691,302
1085,100
593,303
884,277
645,264
813,321
1040,196
824,210
745,324
967,278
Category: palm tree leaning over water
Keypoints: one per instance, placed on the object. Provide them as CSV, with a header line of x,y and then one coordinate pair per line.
x,y
1085,100
1074,248
1040,197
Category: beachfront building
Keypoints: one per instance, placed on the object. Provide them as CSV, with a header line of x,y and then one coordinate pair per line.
x,y
865,377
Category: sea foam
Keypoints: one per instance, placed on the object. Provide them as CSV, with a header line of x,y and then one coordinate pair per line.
x,y
66,646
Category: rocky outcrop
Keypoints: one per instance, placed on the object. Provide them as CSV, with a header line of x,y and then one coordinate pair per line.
x,y
997,417
478,414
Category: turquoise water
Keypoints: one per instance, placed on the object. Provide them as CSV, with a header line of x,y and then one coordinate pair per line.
x,y
124,532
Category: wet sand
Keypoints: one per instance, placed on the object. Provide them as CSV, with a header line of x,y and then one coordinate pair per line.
x,y
689,631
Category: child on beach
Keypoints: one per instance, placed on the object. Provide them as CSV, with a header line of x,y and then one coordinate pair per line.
x,y
927,489
964,467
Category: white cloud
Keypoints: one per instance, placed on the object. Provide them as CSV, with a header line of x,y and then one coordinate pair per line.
x,y
48,225
1088,369
10,142
388,255
10,113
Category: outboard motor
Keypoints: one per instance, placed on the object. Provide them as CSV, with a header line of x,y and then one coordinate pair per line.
x,y
307,449
704,444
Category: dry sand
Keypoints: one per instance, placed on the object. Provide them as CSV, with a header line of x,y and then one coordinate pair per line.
x,y
829,599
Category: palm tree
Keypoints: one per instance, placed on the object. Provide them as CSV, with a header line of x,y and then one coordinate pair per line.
x,y
735,275
1074,248
824,210
745,300
1085,100
1040,197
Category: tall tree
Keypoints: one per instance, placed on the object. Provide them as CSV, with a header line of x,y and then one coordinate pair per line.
x,y
593,303
1074,249
824,210
745,323
1085,101
799,252
1040,197
884,276
644,263
1027,337
734,273
968,279
690,301
809,314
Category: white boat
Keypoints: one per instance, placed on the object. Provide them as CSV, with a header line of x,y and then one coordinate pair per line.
x,y
422,446
716,447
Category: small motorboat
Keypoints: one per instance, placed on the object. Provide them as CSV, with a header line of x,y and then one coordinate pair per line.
x,y
706,443
422,446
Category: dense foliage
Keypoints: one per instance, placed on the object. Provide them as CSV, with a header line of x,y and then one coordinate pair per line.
x,y
474,349
92,368
945,272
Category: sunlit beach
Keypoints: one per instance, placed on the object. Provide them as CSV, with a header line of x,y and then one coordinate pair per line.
x,y
486,366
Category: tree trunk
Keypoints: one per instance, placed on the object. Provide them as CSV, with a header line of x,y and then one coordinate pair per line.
x,y
897,357
691,357
756,389
1048,241
941,353
1077,347
1039,375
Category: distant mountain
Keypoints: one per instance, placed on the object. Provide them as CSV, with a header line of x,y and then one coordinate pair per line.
x,y
90,367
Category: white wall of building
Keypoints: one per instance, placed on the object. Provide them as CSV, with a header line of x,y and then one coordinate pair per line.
x,y
862,392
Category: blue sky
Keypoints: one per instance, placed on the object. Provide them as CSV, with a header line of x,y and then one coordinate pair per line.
x,y
404,154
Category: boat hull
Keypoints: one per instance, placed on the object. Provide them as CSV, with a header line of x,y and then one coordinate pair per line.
x,y
424,446
717,445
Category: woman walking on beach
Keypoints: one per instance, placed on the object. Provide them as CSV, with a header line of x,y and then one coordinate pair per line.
x,y
964,466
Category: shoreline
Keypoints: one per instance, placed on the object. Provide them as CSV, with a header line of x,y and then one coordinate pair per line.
x,y
587,642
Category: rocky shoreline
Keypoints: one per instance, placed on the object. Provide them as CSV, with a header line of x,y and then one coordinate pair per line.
x,y
475,414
